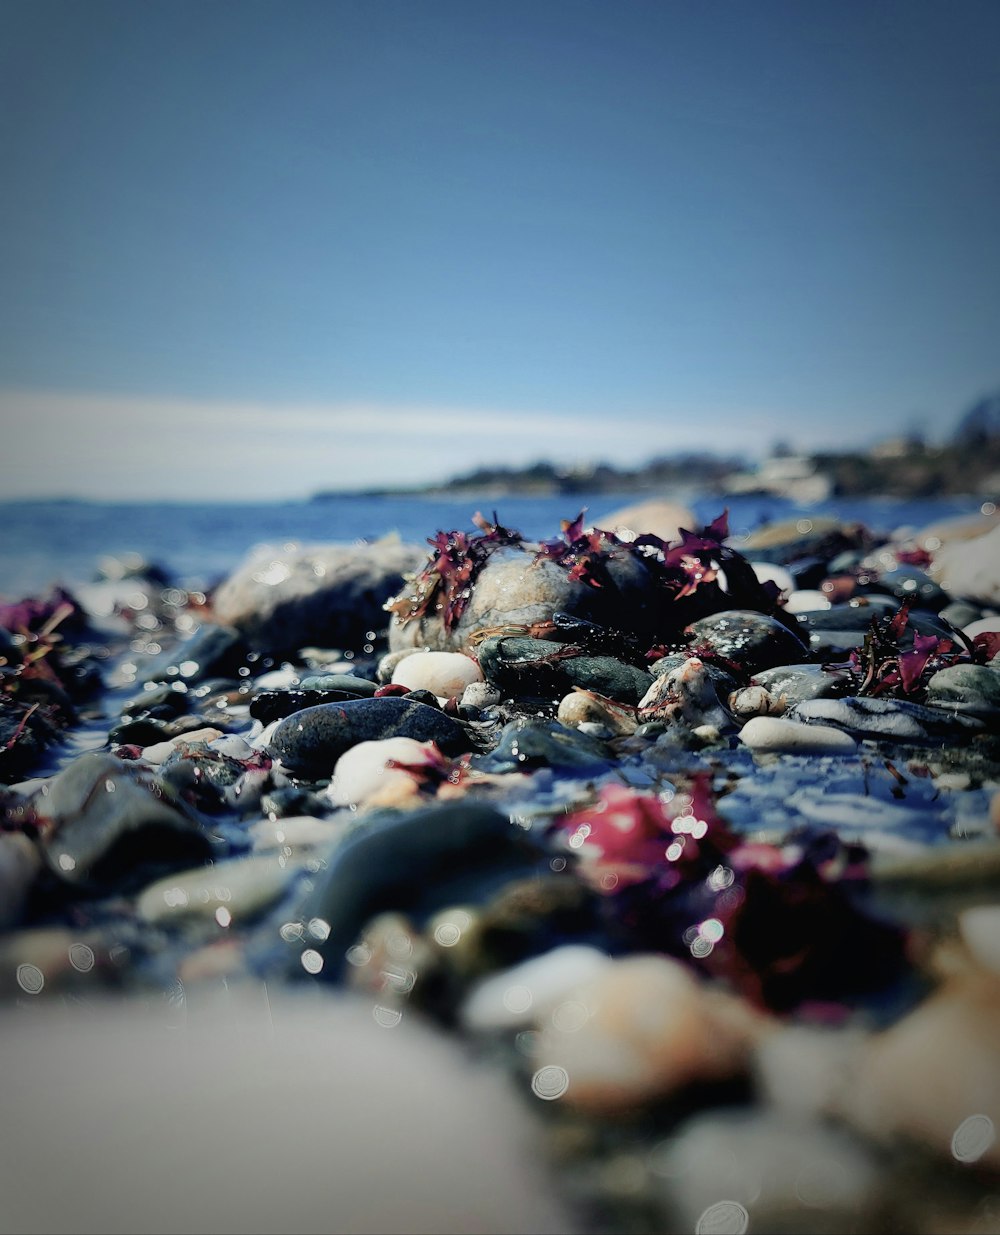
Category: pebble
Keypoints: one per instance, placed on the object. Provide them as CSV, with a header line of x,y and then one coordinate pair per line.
x,y
159,752
643,1028
230,892
970,569
735,1170
20,863
890,719
311,741
284,599
980,929
654,517
582,707
362,773
775,733
752,641
444,674
535,992
934,1076
295,834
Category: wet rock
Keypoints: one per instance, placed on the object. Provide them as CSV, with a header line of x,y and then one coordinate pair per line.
x,y
159,752
974,688
797,683
583,708
350,683
689,693
539,667
789,540
527,743
515,590
331,595
968,569
979,927
210,652
211,780
747,640
228,893
414,862
295,834
310,742
270,705
774,733
104,822
895,720
934,1076
444,674
907,583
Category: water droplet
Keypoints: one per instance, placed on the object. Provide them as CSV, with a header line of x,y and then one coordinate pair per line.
x,y
81,957
312,961
30,979
550,1082
723,1218
972,1138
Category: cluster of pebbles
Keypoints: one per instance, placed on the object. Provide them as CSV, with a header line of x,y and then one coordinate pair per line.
x,y
648,871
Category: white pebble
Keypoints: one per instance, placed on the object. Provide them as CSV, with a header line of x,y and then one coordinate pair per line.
x,y
444,674
807,600
980,928
160,752
775,733
647,1027
545,981
362,771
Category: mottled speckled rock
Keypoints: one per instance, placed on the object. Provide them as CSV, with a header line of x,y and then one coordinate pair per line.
x,y
330,595
752,641
796,683
512,589
310,742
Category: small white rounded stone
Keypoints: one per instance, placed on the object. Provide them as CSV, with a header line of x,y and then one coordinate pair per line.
x,y
362,771
775,733
444,674
806,600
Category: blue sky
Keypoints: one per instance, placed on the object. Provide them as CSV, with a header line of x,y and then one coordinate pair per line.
x,y
269,247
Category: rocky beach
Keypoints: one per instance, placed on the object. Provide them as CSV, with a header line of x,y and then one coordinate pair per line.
x,y
634,878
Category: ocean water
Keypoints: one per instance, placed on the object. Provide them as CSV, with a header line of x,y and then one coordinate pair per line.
x,y
47,542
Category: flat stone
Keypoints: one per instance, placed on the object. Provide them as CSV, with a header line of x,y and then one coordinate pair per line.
x,y
775,733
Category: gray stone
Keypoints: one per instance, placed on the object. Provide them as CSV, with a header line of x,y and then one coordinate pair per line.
x,y
330,595
104,821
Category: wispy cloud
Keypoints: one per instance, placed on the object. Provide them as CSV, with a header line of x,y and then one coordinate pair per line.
x,y
120,447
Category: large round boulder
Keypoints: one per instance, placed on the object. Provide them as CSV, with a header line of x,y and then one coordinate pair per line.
x,y
324,595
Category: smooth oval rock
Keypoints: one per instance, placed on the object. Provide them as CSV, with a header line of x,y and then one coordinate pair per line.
x,y
444,674
311,741
363,772
230,892
775,733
